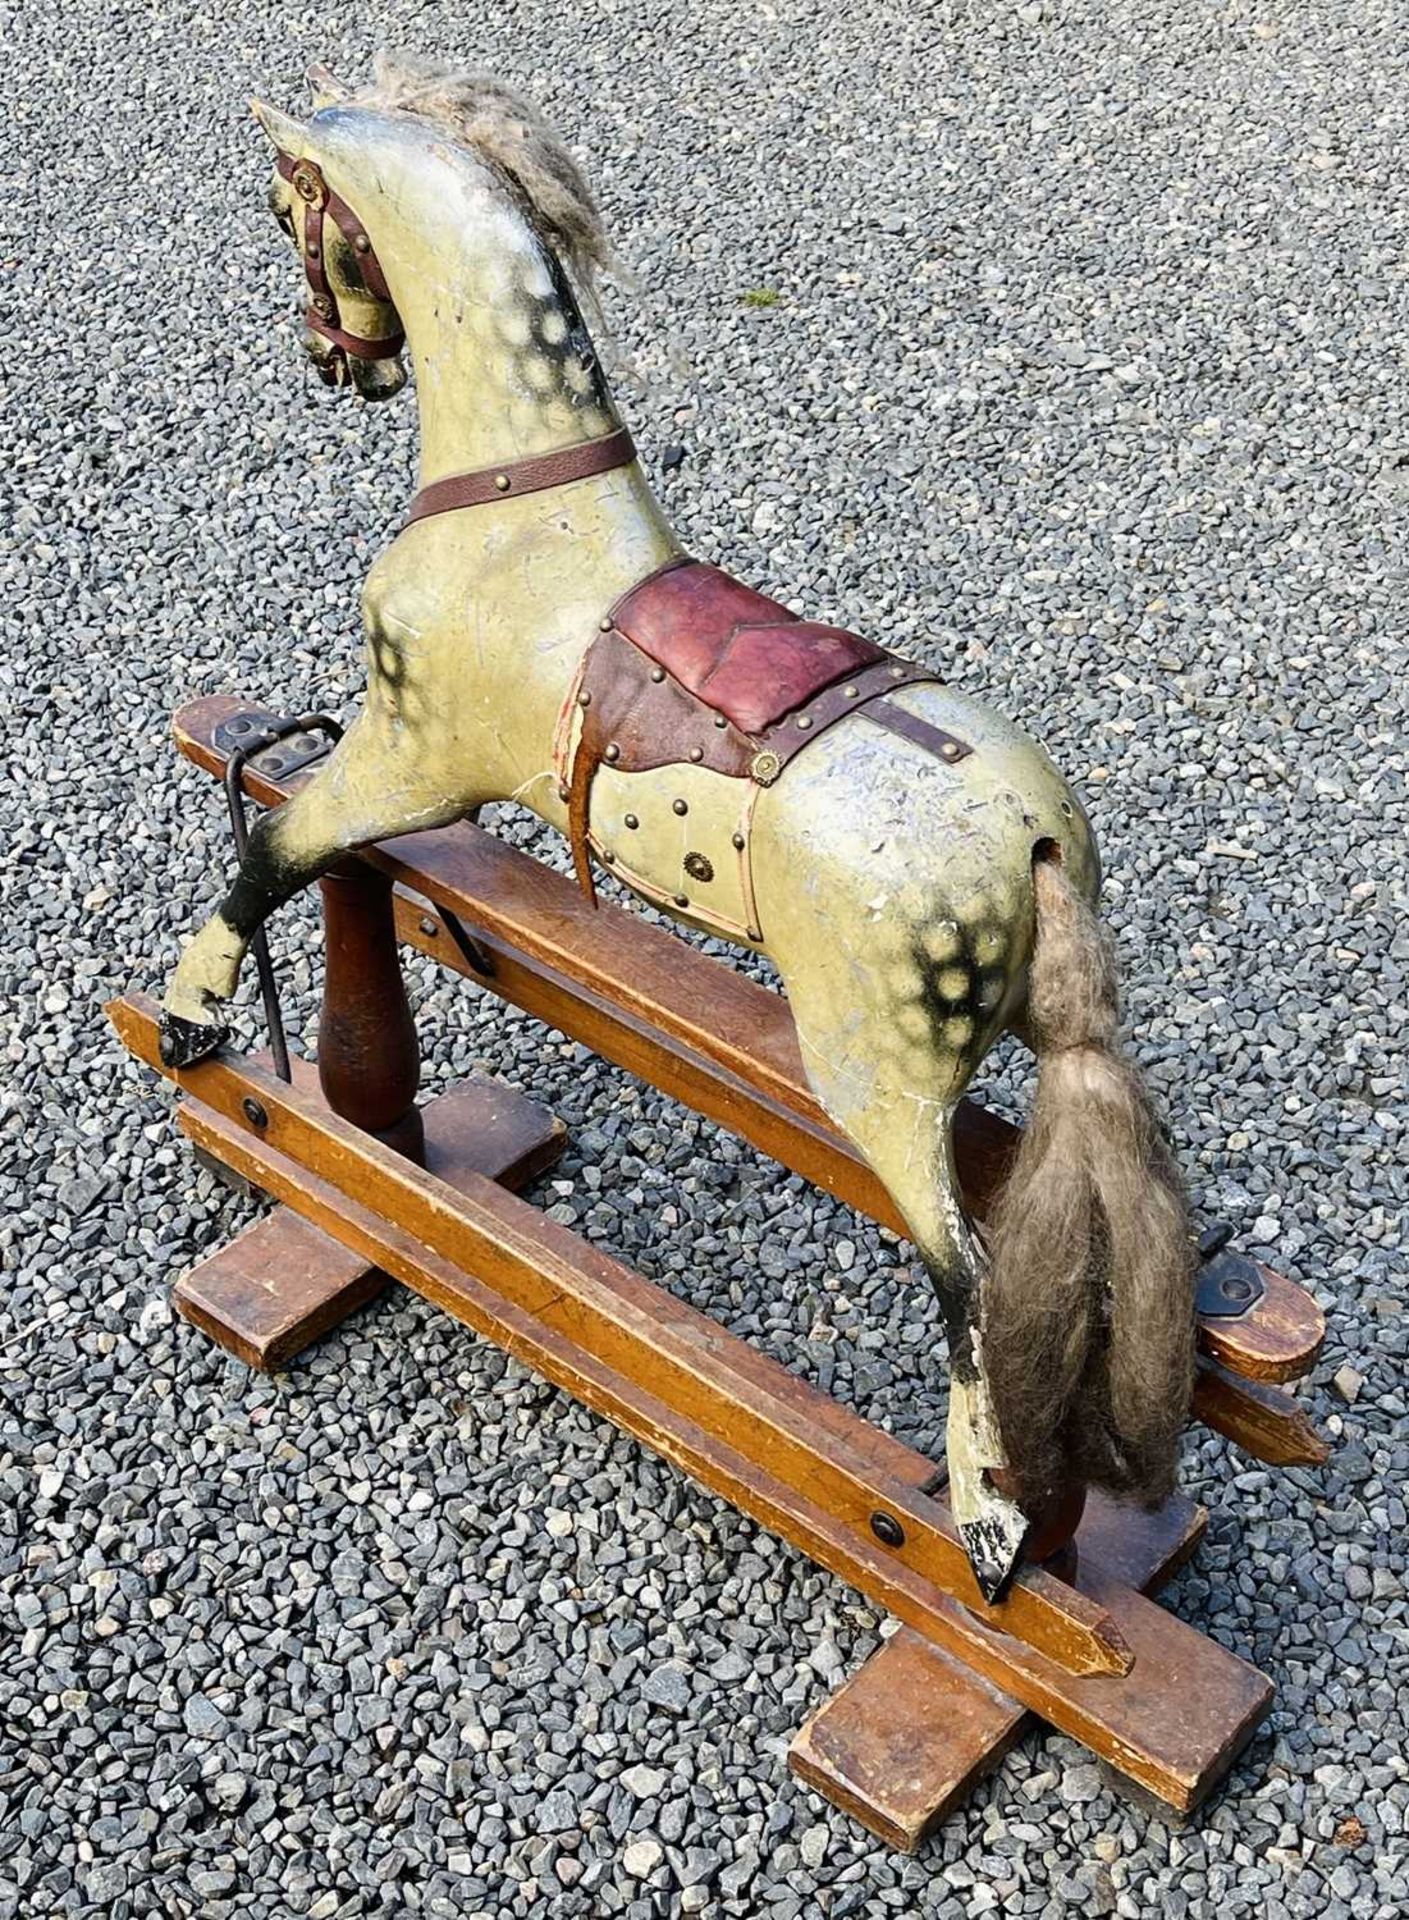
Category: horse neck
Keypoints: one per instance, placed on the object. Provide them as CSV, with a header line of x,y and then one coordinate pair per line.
x,y
505,367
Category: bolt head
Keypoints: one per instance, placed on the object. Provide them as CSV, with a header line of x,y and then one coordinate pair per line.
x,y
887,1529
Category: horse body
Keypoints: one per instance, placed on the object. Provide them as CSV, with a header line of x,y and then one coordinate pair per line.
x,y
893,891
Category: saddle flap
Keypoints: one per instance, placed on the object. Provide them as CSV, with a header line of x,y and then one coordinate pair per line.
x,y
745,656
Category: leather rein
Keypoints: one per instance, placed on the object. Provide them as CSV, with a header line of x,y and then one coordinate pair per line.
x,y
321,315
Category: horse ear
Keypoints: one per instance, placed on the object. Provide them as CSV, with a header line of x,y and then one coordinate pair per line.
x,y
326,88
288,135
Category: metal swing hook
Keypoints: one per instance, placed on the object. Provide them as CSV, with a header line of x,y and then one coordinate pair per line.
x,y
255,734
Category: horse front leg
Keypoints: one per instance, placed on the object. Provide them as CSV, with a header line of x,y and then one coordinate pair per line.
x,y
367,790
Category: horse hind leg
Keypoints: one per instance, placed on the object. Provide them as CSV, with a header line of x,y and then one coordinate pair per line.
x,y
891,1083
366,791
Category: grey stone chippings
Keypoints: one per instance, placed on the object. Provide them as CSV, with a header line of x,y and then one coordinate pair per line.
x,y
1084,380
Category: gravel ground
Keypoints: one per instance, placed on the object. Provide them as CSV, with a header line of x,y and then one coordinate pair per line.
x,y
1075,361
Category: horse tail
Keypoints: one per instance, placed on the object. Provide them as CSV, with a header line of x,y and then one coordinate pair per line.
x,y
1087,1321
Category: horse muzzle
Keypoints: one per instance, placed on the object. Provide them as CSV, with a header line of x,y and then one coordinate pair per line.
x,y
379,378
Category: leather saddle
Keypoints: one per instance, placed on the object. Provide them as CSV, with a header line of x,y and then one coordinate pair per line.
x,y
691,666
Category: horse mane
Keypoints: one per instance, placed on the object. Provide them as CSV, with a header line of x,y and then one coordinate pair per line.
x,y
499,124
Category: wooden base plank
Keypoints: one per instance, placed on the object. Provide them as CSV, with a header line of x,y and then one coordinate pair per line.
x,y
1263,1420
282,1283
911,1734
1169,1713
707,1035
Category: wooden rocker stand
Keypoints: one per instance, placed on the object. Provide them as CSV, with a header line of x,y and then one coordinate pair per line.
x,y
373,1188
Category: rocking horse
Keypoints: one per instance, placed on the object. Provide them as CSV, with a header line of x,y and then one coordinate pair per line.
x,y
913,865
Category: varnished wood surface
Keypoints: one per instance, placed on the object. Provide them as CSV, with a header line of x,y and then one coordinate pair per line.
x,y
910,1735
638,1329
744,1427
1265,1421
707,1035
1277,1340
283,1282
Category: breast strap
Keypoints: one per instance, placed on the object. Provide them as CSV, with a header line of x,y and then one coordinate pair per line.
x,y
513,477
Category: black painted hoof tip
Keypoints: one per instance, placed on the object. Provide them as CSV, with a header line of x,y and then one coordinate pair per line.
x,y
993,1572
183,1042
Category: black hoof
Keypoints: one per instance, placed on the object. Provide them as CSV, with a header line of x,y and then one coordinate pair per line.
x,y
995,1556
184,1042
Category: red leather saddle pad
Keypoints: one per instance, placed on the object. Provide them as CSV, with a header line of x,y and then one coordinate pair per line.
x,y
741,653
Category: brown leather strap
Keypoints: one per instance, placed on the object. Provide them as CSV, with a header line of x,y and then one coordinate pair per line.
x,y
322,315
919,732
514,477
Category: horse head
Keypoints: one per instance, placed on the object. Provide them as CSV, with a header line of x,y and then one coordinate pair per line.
x,y
352,331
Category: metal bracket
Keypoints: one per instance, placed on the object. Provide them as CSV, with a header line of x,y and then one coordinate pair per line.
x,y
1229,1284
269,742
274,744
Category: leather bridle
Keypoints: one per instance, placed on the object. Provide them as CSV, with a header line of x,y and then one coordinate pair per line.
x,y
322,315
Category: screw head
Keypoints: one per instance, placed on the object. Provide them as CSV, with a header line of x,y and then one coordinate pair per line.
x,y
429,928
887,1529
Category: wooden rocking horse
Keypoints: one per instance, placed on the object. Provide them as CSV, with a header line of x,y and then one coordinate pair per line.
x,y
915,867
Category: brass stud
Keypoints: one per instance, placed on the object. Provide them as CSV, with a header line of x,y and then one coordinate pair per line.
x,y
562,790
682,899
804,721
896,672
720,721
657,674
362,243
851,692
632,822
697,754
322,306
501,480
584,699
950,750
608,856
679,806
605,623
739,843
753,933
307,183
613,752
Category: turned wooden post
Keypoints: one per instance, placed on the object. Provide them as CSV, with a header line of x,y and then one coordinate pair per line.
x,y
369,1064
